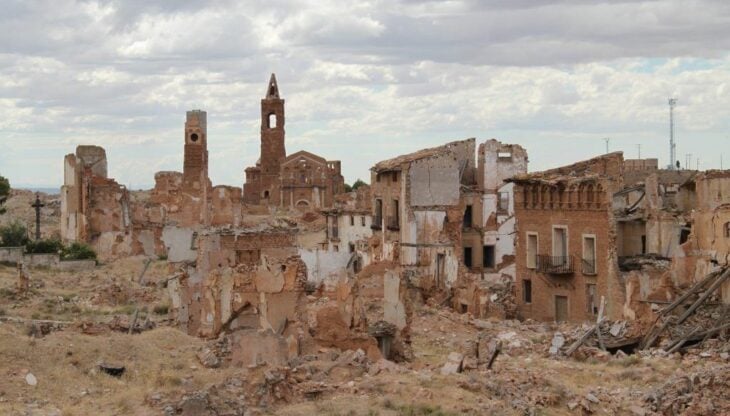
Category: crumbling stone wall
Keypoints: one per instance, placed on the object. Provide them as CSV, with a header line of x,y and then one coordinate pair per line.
x,y
94,208
247,284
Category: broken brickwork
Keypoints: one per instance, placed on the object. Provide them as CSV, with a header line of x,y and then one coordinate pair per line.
x,y
566,241
249,285
99,211
437,213
94,208
300,180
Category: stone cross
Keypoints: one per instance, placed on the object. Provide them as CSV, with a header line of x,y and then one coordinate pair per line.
x,y
38,205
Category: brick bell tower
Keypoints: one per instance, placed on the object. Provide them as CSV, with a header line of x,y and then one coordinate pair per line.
x,y
273,151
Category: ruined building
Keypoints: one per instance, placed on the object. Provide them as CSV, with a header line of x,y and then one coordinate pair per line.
x,y
249,285
302,179
439,216
97,210
94,208
566,241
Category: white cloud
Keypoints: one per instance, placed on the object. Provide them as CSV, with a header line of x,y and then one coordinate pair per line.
x,y
363,80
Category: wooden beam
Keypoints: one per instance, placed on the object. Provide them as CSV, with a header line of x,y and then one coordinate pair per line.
x,y
580,341
704,296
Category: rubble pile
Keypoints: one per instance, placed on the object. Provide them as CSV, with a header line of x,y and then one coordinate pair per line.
x,y
695,316
699,393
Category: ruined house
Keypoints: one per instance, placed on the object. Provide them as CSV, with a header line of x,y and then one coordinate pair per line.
x,y
94,207
97,210
708,244
487,240
249,285
342,248
448,222
566,241
302,179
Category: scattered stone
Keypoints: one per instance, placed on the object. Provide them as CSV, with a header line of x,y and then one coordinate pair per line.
x,y
557,343
592,398
30,379
637,411
112,370
208,358
453,364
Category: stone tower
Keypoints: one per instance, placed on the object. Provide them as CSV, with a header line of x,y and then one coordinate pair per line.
x,y
273,151
195,166
195,183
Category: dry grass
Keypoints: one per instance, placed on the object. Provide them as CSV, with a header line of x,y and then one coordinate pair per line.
x,y
65,363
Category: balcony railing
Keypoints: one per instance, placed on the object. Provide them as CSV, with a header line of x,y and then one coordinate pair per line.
x,y
589,266
393,223
555,264
377,223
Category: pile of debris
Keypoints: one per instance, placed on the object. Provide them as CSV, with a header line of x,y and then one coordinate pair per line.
x,y
608,336
692,318
700,393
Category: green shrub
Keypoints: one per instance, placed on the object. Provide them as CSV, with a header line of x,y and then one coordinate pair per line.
x,y
78,251
161,309
13,235
50,246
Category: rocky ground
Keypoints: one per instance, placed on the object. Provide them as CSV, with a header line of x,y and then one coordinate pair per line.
x,y
55,340
64,343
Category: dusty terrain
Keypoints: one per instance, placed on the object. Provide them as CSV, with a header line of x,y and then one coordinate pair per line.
x,y
163,375
56,339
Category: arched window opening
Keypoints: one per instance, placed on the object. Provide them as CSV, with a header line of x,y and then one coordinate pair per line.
x,y
579,197
727,229
266,194
272,121
589,196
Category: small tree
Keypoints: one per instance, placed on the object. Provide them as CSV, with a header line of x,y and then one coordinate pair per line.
x,y
348,188
358,183
4,192
13,235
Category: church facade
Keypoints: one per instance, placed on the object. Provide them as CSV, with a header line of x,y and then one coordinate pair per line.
x,y
300,180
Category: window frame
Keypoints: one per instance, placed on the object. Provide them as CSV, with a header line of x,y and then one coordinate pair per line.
x,y
528,234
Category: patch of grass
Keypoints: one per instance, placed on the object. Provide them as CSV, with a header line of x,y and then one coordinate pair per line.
x,y
629,375
68,297
7,293
168,380
124,310
629,361
161,309
422,410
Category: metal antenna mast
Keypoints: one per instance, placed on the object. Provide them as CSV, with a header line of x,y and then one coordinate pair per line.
x,y
607,139
672,145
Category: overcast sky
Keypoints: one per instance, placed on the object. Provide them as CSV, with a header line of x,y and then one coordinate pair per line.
x,y
363,80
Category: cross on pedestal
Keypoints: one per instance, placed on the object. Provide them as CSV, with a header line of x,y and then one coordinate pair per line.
x,y
38,205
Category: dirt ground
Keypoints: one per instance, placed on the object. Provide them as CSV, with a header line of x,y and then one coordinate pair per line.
x,y
70,323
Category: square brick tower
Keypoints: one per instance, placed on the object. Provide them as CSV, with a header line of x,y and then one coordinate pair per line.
x,y
195,183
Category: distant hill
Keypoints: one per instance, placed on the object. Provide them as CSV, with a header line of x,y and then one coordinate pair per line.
x,y
49,191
